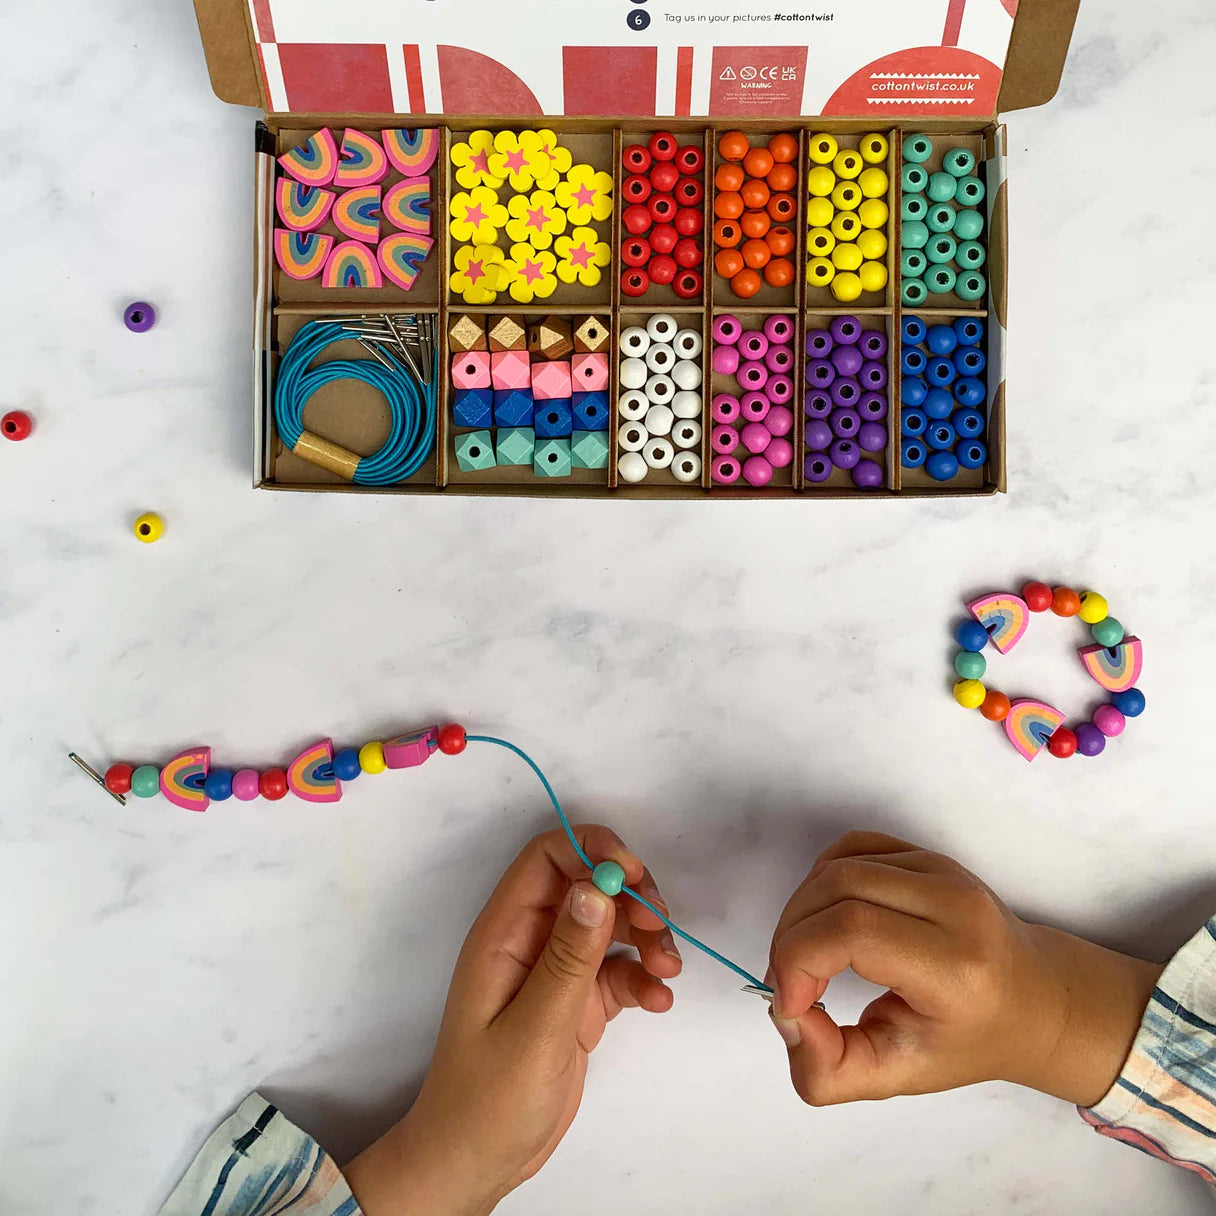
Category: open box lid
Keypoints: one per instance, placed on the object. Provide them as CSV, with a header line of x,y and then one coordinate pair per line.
x,y
721,59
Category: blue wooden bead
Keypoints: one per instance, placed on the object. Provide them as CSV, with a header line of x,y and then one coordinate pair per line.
x,y
608,877
968,423
970,665
590,411
970,331
940,372
473,408
971,635
1130,703
970,392
1107,632
913,331
941,339
346,764
554,419
940,436
912,360
912,453
939,404
513,407
941,466
218,786
912,423
914,391
970,360
971,454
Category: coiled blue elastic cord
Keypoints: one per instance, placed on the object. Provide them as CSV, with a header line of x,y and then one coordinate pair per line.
x,y
557,806
411,403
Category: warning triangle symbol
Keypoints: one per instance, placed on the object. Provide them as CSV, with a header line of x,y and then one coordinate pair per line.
x,y
728,73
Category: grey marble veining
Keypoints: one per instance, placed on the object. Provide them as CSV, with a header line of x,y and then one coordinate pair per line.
x,y
729,685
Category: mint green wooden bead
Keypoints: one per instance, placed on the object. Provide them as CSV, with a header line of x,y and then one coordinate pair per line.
x,y
516,445
941,218
968,225
914,235
1107,632
970,665
958,162
589,450
918,149
608,877
971,285
970,191
913,179
971,255
942,187
940,280
913,292
475,451
913,208
552,458
145,781
912,263
941,248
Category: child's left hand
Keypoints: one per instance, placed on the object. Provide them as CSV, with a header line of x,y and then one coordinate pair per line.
x,y
530,997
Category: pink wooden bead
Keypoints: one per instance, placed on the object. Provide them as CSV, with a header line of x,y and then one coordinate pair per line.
x,y
510,369
471,369
779,453
757,471
245,784
780,389
752,375
551,381
754,407
1109,720
727,330
726,470
756,437
725,408
724,439
726,360
779,420
780,359
589,373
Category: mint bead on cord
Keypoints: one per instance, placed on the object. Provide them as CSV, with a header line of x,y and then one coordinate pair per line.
x,y
608,877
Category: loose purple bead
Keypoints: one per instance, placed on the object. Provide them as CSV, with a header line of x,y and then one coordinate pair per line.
x,y
818,343
817,404
726,360
780,390
727,330
844,453
818,435
756,437
757,471
867,475
847,360
846,330
753,345
872,437
873,375
780,420
820,373
779,330
754,407
1090,740
817,467
845,423
725,408
846,391
873,344
752,375
873,406
139,317
724,439
779,453
779,359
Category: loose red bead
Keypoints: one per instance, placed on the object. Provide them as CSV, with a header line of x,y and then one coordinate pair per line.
x,y
690,159
452,739
663,146
272,784
663,208
1065,602
688,284
663,269
635,188
690,221
1063,742
664,176
690,192
118,778
636,158
664,238
1037,596
16,425
637,218
689,253
635,251
635,282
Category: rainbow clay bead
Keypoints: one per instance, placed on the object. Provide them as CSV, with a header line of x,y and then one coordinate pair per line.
x,y
608,877
371,757
970,665
970,694
1130,703
1107,632
145,781
1094,607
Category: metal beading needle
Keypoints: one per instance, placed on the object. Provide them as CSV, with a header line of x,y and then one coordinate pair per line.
x,y
96,776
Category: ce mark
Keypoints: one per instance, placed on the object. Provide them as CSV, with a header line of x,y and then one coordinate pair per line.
x,y
766,74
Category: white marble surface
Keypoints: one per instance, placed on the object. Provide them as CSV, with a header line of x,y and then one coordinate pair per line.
x,y
729,685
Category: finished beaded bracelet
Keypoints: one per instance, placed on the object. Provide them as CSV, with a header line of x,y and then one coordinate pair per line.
x,y
1114,662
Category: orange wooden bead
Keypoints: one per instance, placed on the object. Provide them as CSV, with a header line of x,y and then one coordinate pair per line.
x,y
782,208
783,147
756,254
728,262
729,177
781,240
779,272
995,706
733,145
1065,602
727,234
755,223
755,194
758,162
746,283
728,205
782,177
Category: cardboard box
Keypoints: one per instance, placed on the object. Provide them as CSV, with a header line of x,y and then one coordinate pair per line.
x,y
601,77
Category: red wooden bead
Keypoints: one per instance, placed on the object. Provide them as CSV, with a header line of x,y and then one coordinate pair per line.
x,y
118,778
663,208
1063,742
635,282
1037,596
663,145
16,425
690,159
664,176
690,221
995,706
690,192
635,251
689,253
272,784
452,739
1065,602
664,238
636,158
688,284
635,188
637,219
663,269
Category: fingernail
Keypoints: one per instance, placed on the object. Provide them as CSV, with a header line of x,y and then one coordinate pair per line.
x,y
668,944
788,1029
588,907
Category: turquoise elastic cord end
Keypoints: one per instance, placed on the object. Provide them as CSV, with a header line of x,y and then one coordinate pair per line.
x,y
608,877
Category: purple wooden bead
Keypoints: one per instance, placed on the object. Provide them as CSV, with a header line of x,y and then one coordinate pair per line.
x,y
757,471
752,375
872,437
753,345
725,360
724,439
817,404
818,435
779,330
847,360
756,437
727,330
780,390
873,344
844,453
817,467
845,423
867,475
726,470
754,407
818,343
780,453
725,408
846,330
1090,740
139,317
779,359
873,406
873,375
846,391
820,373
780,420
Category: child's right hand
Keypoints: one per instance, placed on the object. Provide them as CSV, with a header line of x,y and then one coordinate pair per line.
x,y
975,993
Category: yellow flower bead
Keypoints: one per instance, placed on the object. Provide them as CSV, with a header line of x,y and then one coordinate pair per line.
x,y
819,212
479,274
874,183
874,148
581,256
846,256
1094,608
970,694
820,242
472,161
477,216
873,276
536,219
873,213
823,149
586,194
820,272
820,181
560,160
873,244
848,164
519,159
148,528
846,286
530,274
847,196
846,226
371,758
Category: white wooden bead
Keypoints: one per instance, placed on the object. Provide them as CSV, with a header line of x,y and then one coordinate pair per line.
x,y
686,404
633,405
632,467
686,434
660,357
633,373
632,436
658,453
660,389
659,420
662,327
635,342
687,344
687,374
686,467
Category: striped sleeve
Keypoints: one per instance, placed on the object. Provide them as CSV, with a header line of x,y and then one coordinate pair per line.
x,y
1164,1100
256,1163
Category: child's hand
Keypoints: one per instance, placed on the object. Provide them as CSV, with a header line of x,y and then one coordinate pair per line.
x,y
529,999
975,993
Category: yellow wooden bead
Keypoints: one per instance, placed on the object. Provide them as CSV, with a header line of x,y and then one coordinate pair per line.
x,y
874,148
970,694
874,183
846,256
820,272
873,244
846,287
149,528
823,149
873,213
1094,608
819,212
820,181
820,242
846,226
873,276
848,164
371,758
847,196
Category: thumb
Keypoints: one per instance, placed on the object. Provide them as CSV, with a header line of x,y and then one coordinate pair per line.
x,y
556,991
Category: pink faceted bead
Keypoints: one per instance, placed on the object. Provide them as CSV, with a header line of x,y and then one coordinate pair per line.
x,y
757,471
780,420
779,453
245,784
725,408
756,437
724,439
754,407
726,470
1109,720
725,360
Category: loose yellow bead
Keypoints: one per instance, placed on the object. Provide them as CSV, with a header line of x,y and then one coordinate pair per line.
x,y
820,181
874,148
846,226
846,256
970,694
873,244
148,528
823,149
873,183
1094,608
873,276
873,213
847,196
820,242
371,758
820,272
848,164
846,287
819,212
